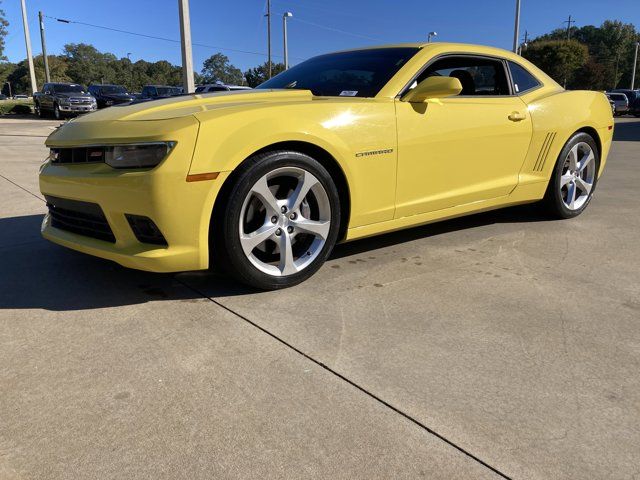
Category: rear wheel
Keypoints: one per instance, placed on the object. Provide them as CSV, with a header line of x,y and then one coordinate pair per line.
x,y
574,177
280,222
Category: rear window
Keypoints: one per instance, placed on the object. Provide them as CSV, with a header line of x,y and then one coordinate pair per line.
x,y
523,81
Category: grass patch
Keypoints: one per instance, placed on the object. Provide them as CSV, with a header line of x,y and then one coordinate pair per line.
x,y
16,106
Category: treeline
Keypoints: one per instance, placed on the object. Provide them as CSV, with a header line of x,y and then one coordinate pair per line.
x,y
595,58
589,57
84,64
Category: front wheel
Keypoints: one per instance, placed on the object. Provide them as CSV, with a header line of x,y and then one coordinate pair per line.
x,y
56,112
280,222
574,177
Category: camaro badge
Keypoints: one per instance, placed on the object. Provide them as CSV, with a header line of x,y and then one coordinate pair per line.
x,y
374,152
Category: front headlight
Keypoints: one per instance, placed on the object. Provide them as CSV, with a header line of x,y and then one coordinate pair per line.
x,y
142,155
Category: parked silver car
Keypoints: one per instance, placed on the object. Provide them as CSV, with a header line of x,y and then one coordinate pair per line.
x,y
218,87
621,102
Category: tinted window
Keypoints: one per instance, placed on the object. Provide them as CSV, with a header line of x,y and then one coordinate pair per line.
x,y
478,76
522,79
69,89
113,89
359,73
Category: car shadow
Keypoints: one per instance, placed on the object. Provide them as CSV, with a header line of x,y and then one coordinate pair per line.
x,y
627,131
37,274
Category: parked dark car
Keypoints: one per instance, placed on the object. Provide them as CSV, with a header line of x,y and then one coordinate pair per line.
x,y
634,99
3,97
154,92
62,99
108,95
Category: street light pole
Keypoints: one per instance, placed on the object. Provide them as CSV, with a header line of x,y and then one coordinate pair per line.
x,y
269,35
27,41
286,46
516,30
431,35
635,66
47,78
185,42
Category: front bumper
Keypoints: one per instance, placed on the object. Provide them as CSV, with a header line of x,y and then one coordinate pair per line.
x,y
77,108
181,210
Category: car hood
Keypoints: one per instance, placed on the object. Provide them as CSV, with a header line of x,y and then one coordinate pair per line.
x,y
184,105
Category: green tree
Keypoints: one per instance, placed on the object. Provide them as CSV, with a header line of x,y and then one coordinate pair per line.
x,y
560,59
6,69
3,32
86,64
218,68
260,74
611,48
57,69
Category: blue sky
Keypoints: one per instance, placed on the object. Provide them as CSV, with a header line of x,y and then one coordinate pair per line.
x,y
317,26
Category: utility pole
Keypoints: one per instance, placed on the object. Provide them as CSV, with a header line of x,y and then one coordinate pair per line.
x,y
286,46
47,78
27,41
524,43
185,42
516,29
569,22
635,66
268,15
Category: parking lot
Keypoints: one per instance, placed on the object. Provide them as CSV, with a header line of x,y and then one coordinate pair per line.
x,y
501,345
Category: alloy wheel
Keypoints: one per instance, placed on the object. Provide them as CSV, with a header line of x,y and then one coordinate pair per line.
x,y
285,221
578,176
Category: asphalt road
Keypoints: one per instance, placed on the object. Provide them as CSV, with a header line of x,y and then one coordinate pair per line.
x,y
501,345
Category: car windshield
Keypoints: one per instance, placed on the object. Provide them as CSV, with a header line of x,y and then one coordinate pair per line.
x,y
111,89
69,89
358,73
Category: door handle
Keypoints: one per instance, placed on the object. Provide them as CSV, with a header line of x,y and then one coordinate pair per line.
x,y
517,116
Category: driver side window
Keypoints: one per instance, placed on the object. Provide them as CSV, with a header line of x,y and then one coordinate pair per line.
x,y
478,75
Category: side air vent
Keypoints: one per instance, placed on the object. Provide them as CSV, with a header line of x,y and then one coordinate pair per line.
x,y
544,152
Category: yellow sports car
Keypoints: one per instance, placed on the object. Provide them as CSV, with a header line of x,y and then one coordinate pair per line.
x,y
342,146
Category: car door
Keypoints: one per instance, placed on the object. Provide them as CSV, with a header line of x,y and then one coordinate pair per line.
x,y
47,96
461,149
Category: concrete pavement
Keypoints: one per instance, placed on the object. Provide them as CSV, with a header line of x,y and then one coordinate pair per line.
x,y
498,345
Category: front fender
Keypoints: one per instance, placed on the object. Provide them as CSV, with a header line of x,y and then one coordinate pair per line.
x,y
342,129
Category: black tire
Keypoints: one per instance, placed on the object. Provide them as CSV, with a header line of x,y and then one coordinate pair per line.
x,y
553,200
226,247
37,110
57,114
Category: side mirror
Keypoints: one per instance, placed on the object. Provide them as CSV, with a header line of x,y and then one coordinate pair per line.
x,y
433,87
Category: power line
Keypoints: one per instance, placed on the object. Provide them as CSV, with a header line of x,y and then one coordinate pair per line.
x,y
165,39
297,19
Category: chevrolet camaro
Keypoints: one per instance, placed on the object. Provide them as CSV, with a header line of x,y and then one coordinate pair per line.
x,y
342,146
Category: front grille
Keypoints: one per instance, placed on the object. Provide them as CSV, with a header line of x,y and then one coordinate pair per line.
x,y
83,218
80,101
78,155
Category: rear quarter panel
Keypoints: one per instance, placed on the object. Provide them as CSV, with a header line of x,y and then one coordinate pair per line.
x,y
555,117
